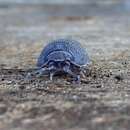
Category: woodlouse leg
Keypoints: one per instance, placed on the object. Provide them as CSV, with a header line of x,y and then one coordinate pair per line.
x,y
52,71
37,73
40,72
51,75
76,77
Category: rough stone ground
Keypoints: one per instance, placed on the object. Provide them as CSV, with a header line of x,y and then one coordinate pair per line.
x,y
100,102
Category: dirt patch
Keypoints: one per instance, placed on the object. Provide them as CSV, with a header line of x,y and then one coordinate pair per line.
x,y
99,102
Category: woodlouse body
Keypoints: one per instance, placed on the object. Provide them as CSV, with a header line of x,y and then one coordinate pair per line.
x,y
63,55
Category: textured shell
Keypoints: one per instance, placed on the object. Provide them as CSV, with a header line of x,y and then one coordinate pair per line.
x,y
80,56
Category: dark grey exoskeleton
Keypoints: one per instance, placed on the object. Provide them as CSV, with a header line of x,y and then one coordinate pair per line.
x,y
62,55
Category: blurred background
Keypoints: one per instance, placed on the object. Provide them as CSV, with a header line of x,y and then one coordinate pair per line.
x,y
27,25
101,101
73,7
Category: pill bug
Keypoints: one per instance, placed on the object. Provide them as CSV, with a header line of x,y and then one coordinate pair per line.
x,y
62,55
